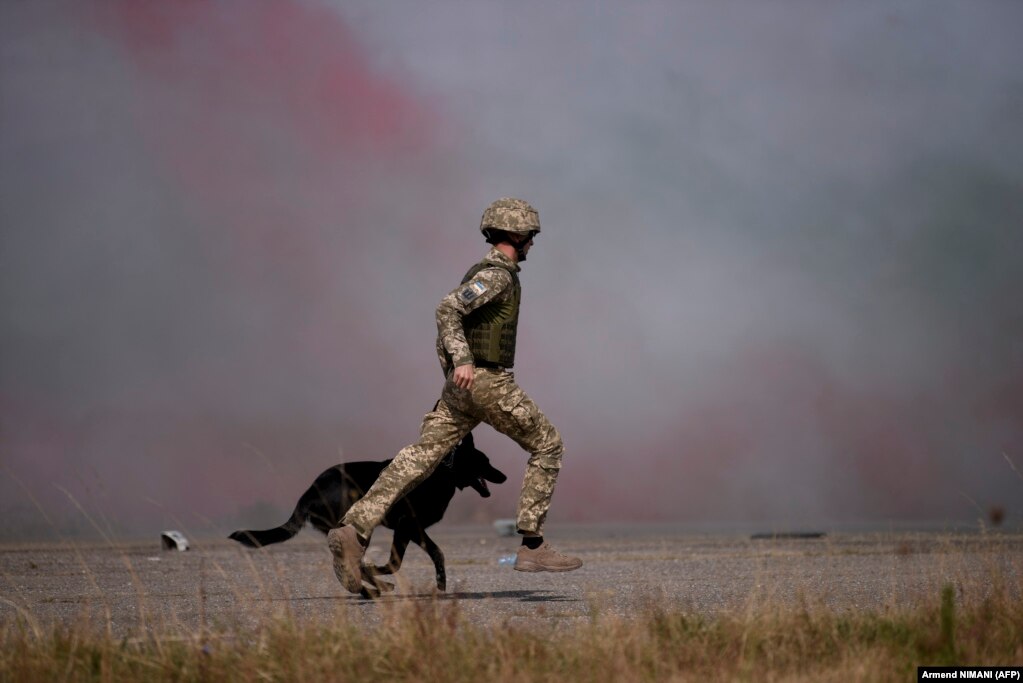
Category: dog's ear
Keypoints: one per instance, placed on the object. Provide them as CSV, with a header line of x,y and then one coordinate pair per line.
x,y
468,441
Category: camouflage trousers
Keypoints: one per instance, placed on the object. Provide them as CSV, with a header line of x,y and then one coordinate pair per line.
x,y
496,399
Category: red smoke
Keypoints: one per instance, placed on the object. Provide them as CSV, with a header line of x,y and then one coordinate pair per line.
x,y
272,121
299,61
267,114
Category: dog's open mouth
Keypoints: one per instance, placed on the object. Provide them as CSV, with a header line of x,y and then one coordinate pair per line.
x,y
480,485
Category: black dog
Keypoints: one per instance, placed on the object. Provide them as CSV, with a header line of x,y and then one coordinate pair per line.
x,y
325,503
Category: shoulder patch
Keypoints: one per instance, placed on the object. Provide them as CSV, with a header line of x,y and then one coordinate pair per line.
x,y
471,291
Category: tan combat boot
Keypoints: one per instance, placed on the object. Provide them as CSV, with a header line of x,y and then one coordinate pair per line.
x,y
347,548
545,559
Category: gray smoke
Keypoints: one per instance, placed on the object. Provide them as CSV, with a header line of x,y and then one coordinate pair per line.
x,y
778,279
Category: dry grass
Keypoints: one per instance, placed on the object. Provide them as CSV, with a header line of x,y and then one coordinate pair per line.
x,y
976,620
429,640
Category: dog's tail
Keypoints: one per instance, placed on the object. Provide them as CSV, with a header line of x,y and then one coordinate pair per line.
x,y
257,539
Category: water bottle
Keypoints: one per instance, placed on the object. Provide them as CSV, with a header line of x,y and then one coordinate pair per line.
x,y
506,560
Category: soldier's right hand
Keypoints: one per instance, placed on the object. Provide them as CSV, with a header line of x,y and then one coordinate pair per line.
x,y
463,377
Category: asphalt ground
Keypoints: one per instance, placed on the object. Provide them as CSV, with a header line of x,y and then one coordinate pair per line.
x,y
130,588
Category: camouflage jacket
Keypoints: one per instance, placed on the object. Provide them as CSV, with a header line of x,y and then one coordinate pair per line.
x,y
489,284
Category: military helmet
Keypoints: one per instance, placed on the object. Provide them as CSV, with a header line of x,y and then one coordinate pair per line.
x,y
511,215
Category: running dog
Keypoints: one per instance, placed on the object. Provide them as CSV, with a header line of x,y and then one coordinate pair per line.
x,y
325,502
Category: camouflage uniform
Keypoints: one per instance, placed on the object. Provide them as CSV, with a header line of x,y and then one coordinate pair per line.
x,y
495,398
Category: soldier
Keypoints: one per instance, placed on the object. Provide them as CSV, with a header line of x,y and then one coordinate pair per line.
x,y
476,326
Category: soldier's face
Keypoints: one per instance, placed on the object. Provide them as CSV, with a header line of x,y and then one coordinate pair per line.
x,y
523,246
527,243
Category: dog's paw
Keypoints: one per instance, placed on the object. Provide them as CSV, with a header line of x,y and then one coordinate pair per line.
x,y
376,589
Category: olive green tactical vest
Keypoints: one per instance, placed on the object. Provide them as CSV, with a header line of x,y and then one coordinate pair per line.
x,y
490,329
